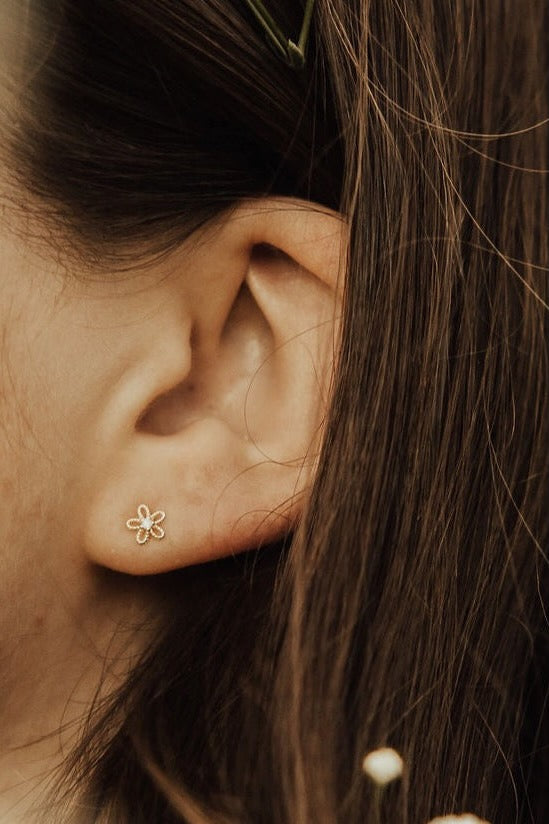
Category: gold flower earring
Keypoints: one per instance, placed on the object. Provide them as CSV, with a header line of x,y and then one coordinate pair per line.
x,y
147,525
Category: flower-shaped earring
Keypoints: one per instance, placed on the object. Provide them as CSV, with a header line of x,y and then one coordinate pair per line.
x,y
147,524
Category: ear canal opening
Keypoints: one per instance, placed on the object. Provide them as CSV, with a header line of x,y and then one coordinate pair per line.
x,y
265,252
171,411
224,365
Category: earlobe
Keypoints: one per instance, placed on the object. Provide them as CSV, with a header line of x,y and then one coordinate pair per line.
x,y
220,457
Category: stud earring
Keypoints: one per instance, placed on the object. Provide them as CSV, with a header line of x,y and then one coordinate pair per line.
x,y
147,525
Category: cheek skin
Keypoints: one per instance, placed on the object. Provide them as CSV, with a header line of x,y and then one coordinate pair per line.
x,y
63,345
58,352
34,452
58,617
33,583
32,438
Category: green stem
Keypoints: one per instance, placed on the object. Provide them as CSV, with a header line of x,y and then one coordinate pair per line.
x,y
302,42
292,53
273,31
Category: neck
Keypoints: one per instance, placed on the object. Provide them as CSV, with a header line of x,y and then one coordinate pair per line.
x,y
63,658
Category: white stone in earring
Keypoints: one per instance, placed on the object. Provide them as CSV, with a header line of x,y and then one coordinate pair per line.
x,y
147,524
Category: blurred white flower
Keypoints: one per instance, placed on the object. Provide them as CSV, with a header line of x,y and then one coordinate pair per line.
x,y
466,818
383,766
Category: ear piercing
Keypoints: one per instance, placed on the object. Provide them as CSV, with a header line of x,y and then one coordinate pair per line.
x,y
147,524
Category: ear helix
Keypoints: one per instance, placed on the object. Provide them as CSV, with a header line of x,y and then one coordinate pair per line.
x,y
147,524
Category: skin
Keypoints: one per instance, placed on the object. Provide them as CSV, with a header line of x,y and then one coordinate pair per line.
x,y
160,387
60,618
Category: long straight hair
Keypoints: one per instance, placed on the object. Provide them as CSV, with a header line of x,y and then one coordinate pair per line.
x,y
408,608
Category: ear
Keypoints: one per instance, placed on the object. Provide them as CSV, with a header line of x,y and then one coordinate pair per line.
x,y
216,420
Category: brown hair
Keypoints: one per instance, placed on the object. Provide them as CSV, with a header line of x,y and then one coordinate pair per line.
x,y
408,607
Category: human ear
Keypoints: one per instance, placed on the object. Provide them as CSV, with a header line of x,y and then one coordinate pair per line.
x,y
216,419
